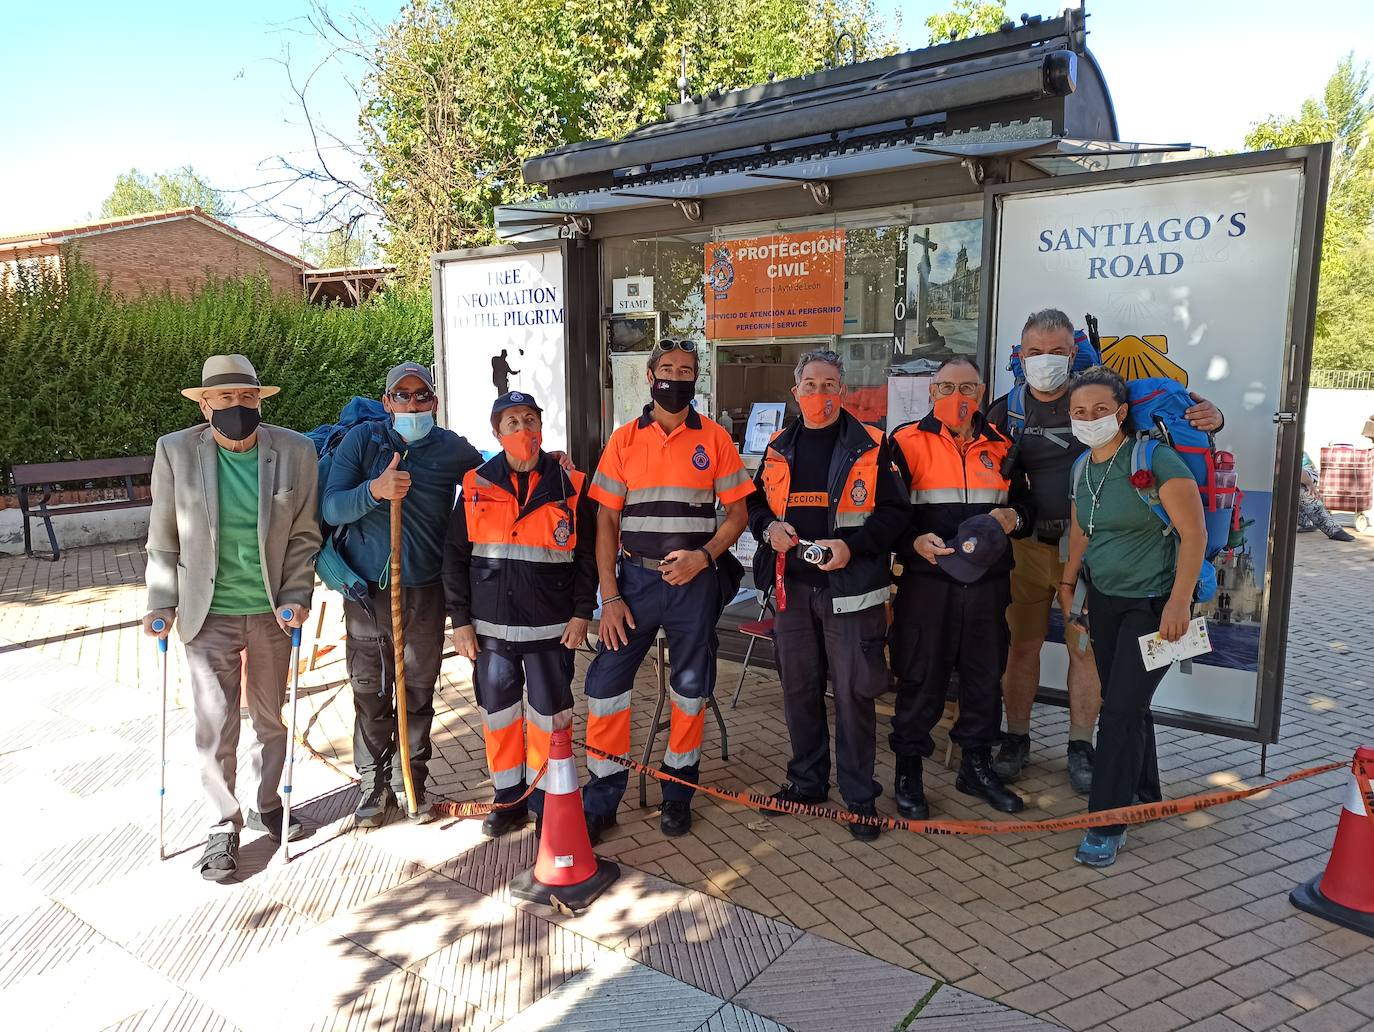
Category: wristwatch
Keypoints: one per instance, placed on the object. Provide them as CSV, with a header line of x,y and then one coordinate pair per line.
x,y
1019,522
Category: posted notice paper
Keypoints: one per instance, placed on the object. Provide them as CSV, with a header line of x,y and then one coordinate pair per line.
x,y
1156,652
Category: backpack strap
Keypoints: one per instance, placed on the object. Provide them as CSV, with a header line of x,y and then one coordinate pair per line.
x,y
1016,408
1079,465
1142,458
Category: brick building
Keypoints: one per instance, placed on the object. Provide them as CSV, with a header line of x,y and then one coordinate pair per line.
x,y
176,250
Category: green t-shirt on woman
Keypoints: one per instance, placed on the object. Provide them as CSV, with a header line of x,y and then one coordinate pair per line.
x,y
239,587
1129,553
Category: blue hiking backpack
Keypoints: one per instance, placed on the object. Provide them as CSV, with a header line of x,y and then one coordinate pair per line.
x,y
1156,416
330,565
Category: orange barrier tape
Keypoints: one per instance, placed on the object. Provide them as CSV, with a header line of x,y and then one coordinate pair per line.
x,y
464,810
1138,814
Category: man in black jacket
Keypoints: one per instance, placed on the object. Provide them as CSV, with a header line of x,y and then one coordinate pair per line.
x,y
828,482
520,580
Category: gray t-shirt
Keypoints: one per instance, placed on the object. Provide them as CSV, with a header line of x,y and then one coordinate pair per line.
x,y
1046,453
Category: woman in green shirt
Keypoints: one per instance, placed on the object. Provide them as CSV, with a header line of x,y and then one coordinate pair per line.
x,y
1140,580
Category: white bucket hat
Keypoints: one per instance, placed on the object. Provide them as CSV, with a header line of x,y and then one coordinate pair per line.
x,y
227,372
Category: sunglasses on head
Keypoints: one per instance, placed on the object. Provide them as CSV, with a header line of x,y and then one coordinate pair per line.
x,y
677,344
422,396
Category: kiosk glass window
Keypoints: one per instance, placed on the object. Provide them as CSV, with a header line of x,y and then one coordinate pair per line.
x,y
893,291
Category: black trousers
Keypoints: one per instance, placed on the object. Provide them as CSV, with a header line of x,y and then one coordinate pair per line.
x,y
372,669
810,639
940,625
1126,765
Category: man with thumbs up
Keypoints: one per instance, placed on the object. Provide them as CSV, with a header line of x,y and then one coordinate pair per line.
x,y
375,466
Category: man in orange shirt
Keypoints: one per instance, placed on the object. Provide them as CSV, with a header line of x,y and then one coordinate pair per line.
x,y
657,544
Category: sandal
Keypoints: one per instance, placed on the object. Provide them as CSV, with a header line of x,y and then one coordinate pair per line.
x,y
221,856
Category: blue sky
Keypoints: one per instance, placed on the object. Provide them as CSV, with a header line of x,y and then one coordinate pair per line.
x,y
158,84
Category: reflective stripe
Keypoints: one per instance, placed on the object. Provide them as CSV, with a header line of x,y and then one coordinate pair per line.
x,y
608,707
681,759
668,524
608,484
851,519
689,706
528,553
858,603
939,495
512,632
561,778
691,495
503,717
603,768
542,722
731,480
508,778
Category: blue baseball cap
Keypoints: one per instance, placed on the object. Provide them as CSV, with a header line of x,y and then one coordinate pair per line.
x,y
979,544
514,399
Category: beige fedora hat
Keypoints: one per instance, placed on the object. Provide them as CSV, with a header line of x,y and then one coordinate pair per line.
x,y
222,372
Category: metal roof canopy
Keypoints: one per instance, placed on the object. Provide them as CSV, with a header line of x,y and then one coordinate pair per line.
x,y
567,214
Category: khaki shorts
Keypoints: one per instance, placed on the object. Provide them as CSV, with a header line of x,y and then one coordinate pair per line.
x,y
1034,587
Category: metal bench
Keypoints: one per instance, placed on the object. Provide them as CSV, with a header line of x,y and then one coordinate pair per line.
x,y
41,478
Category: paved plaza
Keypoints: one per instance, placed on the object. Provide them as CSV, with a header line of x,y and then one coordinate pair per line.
x,y
754,922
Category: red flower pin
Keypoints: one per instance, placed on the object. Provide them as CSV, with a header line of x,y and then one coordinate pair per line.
x,y
1142,478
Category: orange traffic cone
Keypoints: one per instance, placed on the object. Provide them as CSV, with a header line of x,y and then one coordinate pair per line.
x,y
1345,892
567,875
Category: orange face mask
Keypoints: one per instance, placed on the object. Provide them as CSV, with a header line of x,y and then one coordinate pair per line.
x,y
523,445
954,410
819,408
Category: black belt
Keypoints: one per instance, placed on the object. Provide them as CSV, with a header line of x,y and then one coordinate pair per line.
x,y
641,560
1046,539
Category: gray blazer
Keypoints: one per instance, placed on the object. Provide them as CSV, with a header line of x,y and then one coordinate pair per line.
x,y
183,532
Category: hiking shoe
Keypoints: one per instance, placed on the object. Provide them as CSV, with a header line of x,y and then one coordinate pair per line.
x,y
1012,756
221,857
789,793
1099,850
424,808
675,817
270,822
976,777
501,822
1081,757
371,811
861,831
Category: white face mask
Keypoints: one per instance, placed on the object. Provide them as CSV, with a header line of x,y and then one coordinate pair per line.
x,y
1096,432
1046,372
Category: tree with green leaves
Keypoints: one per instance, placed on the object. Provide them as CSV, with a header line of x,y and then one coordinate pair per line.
x,y
138,192
966,18
457,94
342,247
1343,115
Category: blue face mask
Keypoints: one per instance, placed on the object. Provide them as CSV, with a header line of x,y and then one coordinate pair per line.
x,y
412,426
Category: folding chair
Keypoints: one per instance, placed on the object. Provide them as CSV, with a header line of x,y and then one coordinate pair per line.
x,y
756,630
660,655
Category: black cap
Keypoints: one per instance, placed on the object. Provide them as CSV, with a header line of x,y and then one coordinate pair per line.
x,y
513,399
980,543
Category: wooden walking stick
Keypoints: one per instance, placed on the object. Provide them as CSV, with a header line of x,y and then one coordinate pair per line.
x,y
398,644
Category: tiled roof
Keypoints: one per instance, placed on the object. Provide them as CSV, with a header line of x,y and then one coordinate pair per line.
x,y
64,233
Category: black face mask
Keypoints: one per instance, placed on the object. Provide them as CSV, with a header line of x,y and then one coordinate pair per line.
x,y
237,423
673,395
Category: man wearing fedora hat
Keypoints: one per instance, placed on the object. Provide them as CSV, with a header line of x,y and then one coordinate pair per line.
x,y
231,540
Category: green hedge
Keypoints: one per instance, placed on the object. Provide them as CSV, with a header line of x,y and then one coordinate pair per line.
x,y
85,374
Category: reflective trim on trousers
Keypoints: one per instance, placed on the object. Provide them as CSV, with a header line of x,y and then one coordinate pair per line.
x,y
502,718
603,768
509,778
943,495
857,603
690,495
608,484
608,707
514,632
681,759
668,525
528,553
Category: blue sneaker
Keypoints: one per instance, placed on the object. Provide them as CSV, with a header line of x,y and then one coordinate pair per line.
x,y
1099,850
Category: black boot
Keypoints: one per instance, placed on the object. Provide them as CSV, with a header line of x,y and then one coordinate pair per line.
x,y
976,777
500,822
909,789
864,832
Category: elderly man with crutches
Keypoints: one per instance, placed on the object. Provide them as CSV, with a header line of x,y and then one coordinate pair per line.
x,y
231,540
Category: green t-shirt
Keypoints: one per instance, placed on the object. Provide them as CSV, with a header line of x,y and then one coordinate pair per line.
x,y
1129,555
239,587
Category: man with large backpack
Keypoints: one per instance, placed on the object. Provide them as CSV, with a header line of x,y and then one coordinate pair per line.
x,y
1036,416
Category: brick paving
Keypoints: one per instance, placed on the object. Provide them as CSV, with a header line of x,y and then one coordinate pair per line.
x,y
1191,929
